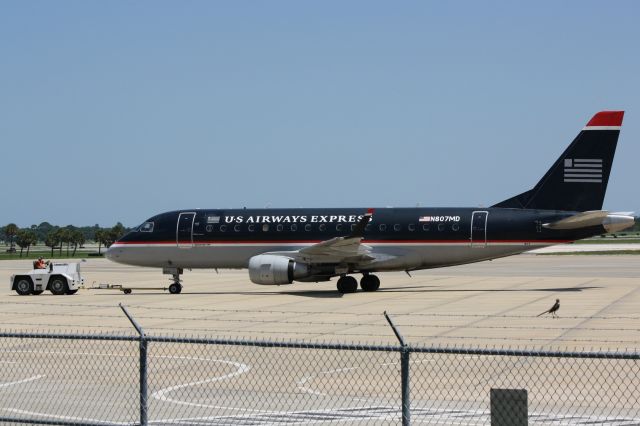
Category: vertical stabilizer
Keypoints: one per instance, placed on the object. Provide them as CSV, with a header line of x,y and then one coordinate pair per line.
x,y
577,181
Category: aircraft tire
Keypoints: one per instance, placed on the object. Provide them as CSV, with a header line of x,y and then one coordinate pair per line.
x,y
58,286
370,283
347,284
175,288
37,292
24,286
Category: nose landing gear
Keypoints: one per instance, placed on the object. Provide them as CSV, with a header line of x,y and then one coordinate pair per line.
x,y
175,288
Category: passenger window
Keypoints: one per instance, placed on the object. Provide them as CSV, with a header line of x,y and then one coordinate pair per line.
x,y
368,227
322,227
441,227
236,228
223,228
425,227
411,227
339,227
279,228
294,227
147,227
251,228
397,227
307,227
265,228
455,227
209,228
383,227
353,227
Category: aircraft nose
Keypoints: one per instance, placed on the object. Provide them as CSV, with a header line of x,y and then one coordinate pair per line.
x,y
109,253
113,253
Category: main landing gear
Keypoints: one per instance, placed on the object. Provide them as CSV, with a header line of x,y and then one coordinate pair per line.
x,y
348,284
175,287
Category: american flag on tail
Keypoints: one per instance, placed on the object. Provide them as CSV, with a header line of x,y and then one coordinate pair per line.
x,y
584,170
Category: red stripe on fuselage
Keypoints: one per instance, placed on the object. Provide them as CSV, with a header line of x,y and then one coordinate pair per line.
x,y
319,241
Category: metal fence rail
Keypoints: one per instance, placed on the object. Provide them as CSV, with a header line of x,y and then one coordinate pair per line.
x,y
48,378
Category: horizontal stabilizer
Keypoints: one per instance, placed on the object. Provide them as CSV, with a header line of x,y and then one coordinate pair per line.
x,y
612,222
580,220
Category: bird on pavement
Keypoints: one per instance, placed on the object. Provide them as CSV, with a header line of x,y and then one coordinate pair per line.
x,y
553,309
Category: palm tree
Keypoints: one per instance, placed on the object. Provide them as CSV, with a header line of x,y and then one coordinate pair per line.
x,y
10,231
99,238
33,239
65,237
22,239
112,235
52,240
77,238
117,231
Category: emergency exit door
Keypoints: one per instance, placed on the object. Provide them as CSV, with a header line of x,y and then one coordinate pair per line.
x,y
184,230
479,229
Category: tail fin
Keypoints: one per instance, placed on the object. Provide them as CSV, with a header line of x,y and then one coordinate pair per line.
x,y
577,181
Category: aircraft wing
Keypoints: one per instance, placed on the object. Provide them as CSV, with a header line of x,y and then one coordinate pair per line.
x,y
339,249
336,250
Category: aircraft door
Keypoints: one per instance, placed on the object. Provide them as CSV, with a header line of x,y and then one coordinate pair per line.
x,y
479,229
184,230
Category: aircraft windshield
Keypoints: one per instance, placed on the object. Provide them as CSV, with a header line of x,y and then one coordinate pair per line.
x,y
146,227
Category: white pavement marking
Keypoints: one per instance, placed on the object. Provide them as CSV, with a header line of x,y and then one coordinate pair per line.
x,y
302,382
69,418
161,394
30,379
241,369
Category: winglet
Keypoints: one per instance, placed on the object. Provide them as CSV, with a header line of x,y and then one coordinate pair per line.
x,y
358,231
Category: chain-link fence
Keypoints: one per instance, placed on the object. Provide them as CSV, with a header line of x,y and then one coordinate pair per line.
x,y
126,380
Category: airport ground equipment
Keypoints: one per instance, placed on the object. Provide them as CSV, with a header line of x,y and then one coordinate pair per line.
x,y
120,287
58,278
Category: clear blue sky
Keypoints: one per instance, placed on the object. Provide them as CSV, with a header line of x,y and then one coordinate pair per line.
x,y
118,110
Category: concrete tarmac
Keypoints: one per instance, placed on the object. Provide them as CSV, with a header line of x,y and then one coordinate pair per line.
x,y
486,305
492,303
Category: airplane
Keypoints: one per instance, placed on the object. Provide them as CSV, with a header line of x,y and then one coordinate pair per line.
x,y
280,246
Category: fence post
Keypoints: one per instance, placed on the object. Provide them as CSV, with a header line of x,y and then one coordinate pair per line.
x,y
143,367
405,352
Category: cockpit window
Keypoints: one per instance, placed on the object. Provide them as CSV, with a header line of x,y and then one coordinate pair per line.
x,y
146,227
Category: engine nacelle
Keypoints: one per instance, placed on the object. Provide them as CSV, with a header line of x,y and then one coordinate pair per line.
x,y
272,269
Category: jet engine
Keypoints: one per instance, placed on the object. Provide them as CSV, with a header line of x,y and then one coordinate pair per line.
x,y
272,269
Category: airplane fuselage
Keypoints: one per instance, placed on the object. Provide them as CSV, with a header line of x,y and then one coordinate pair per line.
x,y
400,238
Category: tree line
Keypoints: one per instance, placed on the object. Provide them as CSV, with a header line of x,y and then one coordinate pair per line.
x,y
56,237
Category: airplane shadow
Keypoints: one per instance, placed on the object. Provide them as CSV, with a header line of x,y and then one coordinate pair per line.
x,y
310,293
333,294
480,290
